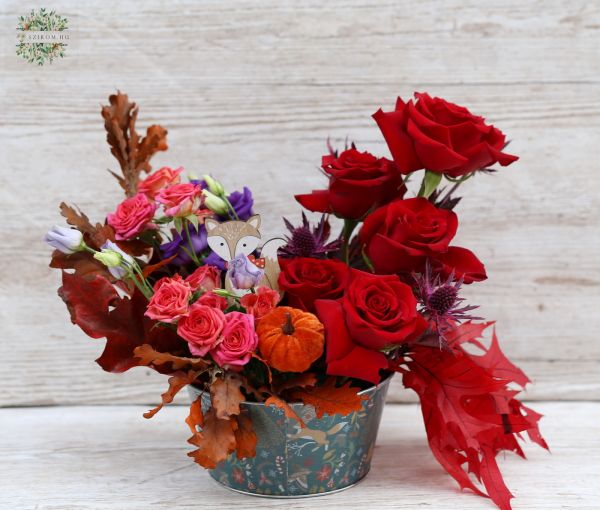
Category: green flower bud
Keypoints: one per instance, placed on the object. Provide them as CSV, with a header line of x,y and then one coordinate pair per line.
x,y
214,203
109,258
213,185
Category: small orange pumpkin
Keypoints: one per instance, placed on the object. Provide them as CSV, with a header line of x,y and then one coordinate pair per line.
x,y
289,339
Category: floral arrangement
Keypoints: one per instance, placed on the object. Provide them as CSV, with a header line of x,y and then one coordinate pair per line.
x,y
177,279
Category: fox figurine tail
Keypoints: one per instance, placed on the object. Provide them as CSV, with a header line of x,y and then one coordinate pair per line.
x,y
269,253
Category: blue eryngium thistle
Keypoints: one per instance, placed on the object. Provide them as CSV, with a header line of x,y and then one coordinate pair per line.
x,y
440,302
305,241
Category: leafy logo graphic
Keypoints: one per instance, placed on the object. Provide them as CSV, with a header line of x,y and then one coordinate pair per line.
x,y
41,36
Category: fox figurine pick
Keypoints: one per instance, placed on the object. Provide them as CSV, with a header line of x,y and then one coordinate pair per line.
x,y
231,238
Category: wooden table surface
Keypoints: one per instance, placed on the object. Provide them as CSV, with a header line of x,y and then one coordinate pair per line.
x,y
101,457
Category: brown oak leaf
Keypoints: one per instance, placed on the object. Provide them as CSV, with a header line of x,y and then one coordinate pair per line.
x,y
177,381
330,399
226,396
195,419
148,356
285,407
132,152
215,442
304,380
245,437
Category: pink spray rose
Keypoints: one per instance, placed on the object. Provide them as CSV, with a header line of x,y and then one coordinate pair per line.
x,y
239,341
201,328
180,199
260,303
205,278
156,181
170,300
213,300
132,216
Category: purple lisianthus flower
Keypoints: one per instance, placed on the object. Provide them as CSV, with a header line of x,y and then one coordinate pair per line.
x,y
214,260
242,203
243,273
180,245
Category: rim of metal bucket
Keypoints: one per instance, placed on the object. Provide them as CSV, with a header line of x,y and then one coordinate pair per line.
x,y
370,389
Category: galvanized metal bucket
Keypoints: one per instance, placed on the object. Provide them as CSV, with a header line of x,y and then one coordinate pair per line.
x,y
329,454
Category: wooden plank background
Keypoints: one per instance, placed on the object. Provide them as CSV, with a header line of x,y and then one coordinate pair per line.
x,y
250,91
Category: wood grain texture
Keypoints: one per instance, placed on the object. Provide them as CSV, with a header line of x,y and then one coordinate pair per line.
x,y
110,457
249,91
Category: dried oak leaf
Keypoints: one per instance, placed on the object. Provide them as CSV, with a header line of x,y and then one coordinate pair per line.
x,y
177,381
215,441
94,235
245,437
226,396
195,419
132,153
150,268
330,399
147,356
304,380
285,407
99,311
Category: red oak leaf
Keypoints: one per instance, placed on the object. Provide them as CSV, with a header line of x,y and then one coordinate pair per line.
x,y
470,413
99,311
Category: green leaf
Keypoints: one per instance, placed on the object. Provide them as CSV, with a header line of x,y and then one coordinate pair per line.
x,y
193,219
431,180
178,224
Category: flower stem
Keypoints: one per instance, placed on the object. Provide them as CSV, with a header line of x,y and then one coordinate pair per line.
x,y
192,253
349,226
233,215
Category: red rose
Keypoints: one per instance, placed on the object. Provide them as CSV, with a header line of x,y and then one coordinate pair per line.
x,y
201,328
358,183
261,302
156,181
375,312
400,237
170,300
180,199
205,278
213,300
132,216
305,279
439,136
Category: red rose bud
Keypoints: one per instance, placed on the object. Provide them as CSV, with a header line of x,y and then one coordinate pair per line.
x,y
440,136
358,183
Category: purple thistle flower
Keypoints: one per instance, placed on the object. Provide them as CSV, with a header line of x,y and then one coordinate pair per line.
x,y
307,242
440,301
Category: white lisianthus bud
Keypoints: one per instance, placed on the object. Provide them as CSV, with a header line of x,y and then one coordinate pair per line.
x,y
214,203
66,240
213,185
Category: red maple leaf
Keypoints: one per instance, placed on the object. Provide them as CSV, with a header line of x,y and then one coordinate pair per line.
x,y
470,413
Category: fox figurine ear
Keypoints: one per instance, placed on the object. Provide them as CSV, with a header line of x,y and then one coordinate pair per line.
x,y
210,224
254,221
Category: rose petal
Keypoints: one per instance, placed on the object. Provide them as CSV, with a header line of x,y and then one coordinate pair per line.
x,y
393,128
434,155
